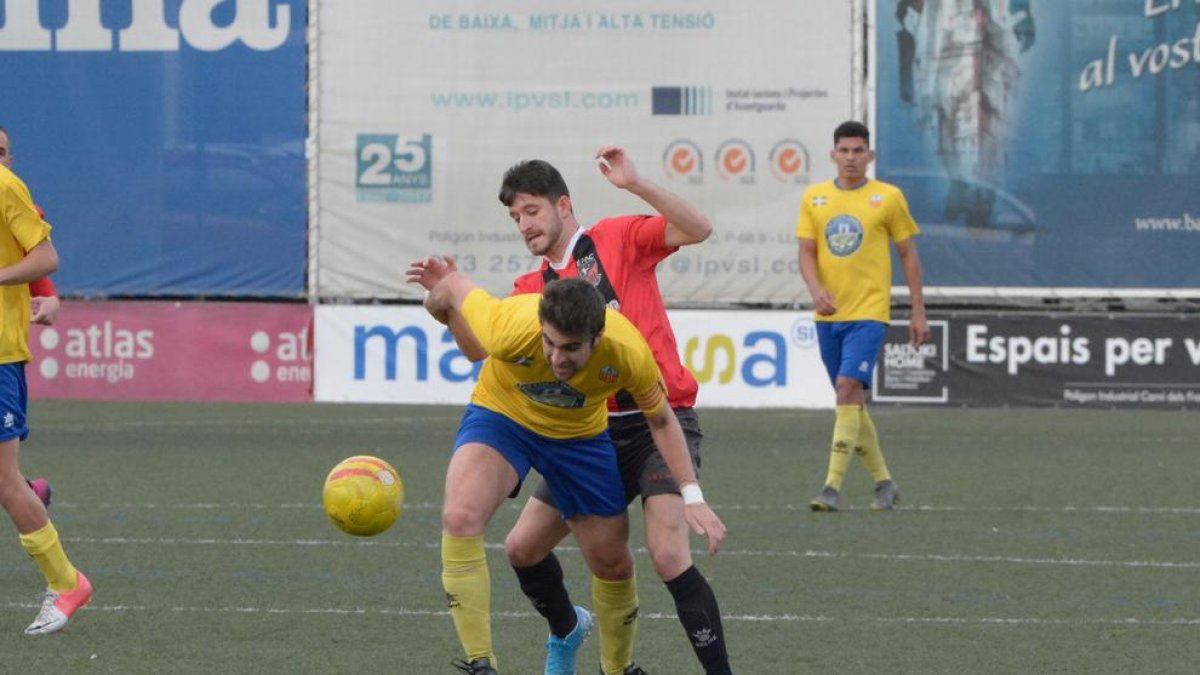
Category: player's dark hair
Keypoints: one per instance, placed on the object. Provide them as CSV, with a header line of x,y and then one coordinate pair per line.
x,y
533,177
572,306
852,129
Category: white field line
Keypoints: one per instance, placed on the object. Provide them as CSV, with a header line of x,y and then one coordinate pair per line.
x,y
654,616
371,543
429,506
227,425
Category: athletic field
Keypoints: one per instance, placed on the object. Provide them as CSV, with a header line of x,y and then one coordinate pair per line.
x,y
1028,542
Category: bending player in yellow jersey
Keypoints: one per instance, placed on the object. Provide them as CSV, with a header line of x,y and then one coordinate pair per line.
x,y
845,227
553,361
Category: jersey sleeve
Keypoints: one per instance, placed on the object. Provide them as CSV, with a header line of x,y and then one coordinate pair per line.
x,y
42,288
806,228
27,226
901,225
645,381
496,323
643,239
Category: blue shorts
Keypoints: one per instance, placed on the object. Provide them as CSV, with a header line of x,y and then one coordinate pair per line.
x,y
850,348
14,402
581,472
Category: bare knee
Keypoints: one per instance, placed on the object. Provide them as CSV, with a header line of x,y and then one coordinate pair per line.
x,y
460,521
670,559
612,568
849,391
524,548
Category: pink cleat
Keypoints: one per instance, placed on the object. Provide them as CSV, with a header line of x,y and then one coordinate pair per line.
x,y
41,488
57,608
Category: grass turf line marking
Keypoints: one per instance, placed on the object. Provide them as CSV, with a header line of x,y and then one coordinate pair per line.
x,y
655,616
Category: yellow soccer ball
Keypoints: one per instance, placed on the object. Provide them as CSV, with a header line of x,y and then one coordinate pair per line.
x,y
363,495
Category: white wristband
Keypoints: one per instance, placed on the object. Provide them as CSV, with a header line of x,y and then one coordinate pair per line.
x,y
692,494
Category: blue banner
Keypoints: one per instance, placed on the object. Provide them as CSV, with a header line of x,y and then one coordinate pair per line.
x,y
165,141
1045,144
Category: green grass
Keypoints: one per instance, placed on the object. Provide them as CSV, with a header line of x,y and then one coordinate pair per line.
x,y
1039,541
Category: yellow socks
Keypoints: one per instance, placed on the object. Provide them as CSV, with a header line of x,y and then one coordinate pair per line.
x,y
468,594
616,606
47,551
845,441
869,452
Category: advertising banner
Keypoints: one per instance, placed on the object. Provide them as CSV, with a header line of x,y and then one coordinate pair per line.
x,y
722,103
165,141
169,351
1109,361
399,354
1045,144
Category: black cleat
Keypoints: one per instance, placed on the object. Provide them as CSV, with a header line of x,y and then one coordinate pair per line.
x,y
631,669
476,667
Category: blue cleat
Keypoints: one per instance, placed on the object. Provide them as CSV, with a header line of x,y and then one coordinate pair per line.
x,y
561,653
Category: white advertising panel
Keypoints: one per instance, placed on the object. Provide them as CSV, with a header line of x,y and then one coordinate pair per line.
x,y
420,106
398,354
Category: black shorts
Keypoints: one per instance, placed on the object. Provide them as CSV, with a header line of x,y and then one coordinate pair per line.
x,y
643,470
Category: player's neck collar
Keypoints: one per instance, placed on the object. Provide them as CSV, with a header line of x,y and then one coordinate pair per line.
x,y
837,183
566,256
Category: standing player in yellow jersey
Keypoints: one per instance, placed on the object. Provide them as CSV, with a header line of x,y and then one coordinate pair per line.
x,y
553,361
844,227
45,303
26,254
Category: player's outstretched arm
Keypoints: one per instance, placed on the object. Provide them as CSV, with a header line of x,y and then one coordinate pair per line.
x,y
685,223
445,291
669,438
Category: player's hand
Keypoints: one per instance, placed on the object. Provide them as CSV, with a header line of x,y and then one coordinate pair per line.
x,y
45,310
616,166
430,270
824,303
918,329
702,520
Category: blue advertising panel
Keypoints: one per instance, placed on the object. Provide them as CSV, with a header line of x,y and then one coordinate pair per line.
x,y
1045,143
164,139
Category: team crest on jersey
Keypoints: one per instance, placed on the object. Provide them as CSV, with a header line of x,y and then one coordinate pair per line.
x,y
843,234
876,201
589,271
608,374
557,394
820,200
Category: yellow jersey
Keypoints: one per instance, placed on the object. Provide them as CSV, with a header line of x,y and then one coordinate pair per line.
x,y
854,230
516,380
21,228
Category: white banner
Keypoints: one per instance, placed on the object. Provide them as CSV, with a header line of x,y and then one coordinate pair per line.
x,y
398,354
422,105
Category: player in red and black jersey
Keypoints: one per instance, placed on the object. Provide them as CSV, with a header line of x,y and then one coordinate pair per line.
x,y
619,256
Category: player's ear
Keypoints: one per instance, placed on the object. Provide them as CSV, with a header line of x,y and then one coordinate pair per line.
x,y
564,206
596,340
